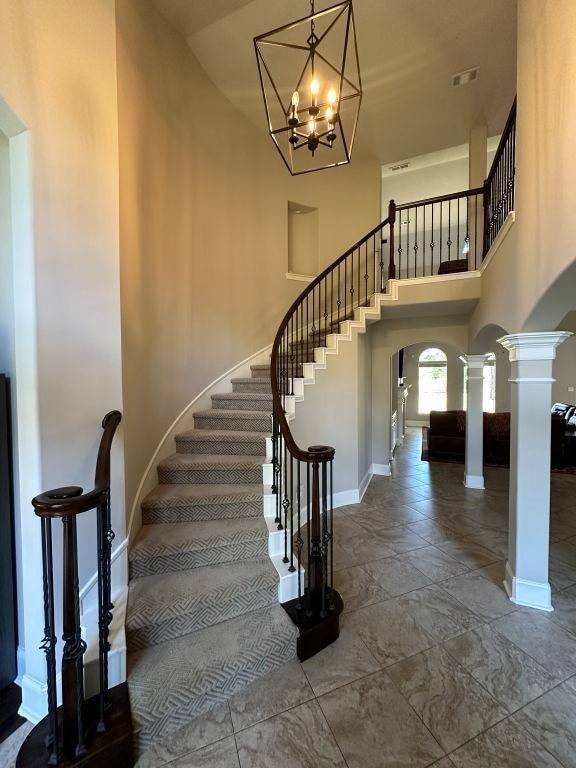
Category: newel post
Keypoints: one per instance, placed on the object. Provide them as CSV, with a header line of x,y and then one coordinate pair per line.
x,y
392,219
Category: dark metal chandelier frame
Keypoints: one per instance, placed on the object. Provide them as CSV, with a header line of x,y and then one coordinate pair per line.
x,y
319,126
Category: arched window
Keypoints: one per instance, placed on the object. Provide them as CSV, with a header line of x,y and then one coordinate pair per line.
x,y
432,380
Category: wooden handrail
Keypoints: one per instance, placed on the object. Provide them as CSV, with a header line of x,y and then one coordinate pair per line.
x,y
441,199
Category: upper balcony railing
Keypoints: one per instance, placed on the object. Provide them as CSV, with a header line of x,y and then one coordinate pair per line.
x,y
499,186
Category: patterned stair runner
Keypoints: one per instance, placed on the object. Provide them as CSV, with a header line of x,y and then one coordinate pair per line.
x,y
203,617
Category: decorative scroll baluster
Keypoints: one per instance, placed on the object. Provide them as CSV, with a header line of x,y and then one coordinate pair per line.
x,y
49,645
392,220
285,504
74,647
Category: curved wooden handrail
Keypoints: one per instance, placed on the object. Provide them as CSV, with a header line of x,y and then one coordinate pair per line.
x,y
71,500
316,455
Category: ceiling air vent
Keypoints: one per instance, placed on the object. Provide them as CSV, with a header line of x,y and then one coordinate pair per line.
x,y
462,78
399,167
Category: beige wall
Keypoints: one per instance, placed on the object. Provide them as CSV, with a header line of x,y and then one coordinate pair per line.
x,y
204,228
58,106
58,75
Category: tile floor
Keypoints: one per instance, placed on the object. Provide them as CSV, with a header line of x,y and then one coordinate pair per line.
x,y
434,665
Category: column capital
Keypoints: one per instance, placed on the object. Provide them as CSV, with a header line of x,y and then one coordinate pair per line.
x,y
537,345
474,361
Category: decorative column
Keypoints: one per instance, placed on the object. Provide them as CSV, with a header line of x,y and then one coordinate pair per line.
x,y
531,358
474,471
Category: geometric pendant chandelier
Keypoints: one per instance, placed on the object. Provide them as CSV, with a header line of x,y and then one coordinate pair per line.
x,y
310,79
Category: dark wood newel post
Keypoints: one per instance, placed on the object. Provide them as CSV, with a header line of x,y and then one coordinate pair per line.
x,y
392,219
316,570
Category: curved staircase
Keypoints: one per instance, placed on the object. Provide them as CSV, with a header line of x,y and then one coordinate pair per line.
x,y
203,616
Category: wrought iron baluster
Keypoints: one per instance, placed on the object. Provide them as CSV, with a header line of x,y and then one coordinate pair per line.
x,y
308,541
74,647
449,241
299,540
285,504
275,457
291,568
48,645
415,240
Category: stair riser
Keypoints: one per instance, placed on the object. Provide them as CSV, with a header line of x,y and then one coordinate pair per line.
x,y
260,371
236,425
199,512
248,388
223,447
233,404
255,549
200,618
218,689
247,476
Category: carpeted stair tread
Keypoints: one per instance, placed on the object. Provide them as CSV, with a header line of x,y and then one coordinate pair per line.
x,y
173,682
171,605
242,421
243,401
210,468
185,502
222,441
168,547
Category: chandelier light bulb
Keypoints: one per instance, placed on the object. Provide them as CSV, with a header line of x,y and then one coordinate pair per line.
x,y
315,87
295,100
330,118
311,126
332,96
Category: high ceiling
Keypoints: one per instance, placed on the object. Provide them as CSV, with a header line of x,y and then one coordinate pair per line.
x,y
409,49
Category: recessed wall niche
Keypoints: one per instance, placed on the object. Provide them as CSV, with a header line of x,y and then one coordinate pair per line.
x,y
302,239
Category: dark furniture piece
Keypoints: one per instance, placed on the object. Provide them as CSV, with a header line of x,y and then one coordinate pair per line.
x,y
8,639
447,438
93,733
453,267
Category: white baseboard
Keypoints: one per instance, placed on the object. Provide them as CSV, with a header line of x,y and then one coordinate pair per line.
x,y
20,665
381,469
532,594
343,498
34,705
365,482
474,481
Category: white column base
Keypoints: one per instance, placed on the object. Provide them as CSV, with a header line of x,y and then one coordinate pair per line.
x,y
474,481
532,594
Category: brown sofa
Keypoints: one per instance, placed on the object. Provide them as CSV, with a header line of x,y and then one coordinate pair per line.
x,y
447,437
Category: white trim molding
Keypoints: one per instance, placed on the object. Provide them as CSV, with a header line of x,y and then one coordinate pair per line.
x,y
476,482
531,594
533,345
382,469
